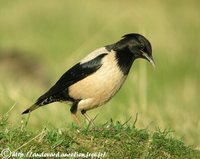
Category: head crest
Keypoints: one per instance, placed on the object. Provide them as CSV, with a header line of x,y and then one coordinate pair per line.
x,y
131,35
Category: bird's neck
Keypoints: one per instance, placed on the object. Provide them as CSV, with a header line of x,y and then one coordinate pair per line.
x,y
125,60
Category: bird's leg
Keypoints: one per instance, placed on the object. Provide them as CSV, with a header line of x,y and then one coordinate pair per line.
x,y
73,110
76,119
87,117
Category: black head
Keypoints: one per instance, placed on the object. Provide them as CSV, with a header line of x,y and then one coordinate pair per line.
x,y
136,44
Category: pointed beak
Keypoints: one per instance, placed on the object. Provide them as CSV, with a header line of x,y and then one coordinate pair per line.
x,y
149,58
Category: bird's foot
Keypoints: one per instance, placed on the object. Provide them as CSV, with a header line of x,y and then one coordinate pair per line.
x,y
76,119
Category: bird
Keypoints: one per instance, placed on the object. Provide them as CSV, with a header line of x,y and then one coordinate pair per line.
x,y
94,80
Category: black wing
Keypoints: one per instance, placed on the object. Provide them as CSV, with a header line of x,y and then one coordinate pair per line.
x,y
73,75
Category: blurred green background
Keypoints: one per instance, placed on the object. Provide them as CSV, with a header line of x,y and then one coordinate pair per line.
x,y
40,40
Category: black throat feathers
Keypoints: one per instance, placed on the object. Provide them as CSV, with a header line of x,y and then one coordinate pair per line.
x,y
125,60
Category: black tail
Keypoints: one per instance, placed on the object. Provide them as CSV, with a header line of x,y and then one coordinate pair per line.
x,y
40,102
33,107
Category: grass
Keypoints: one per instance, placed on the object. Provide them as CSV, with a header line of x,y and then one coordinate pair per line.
x,y
109,140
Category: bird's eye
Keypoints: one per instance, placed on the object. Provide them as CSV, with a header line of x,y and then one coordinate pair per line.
x,y
141,47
